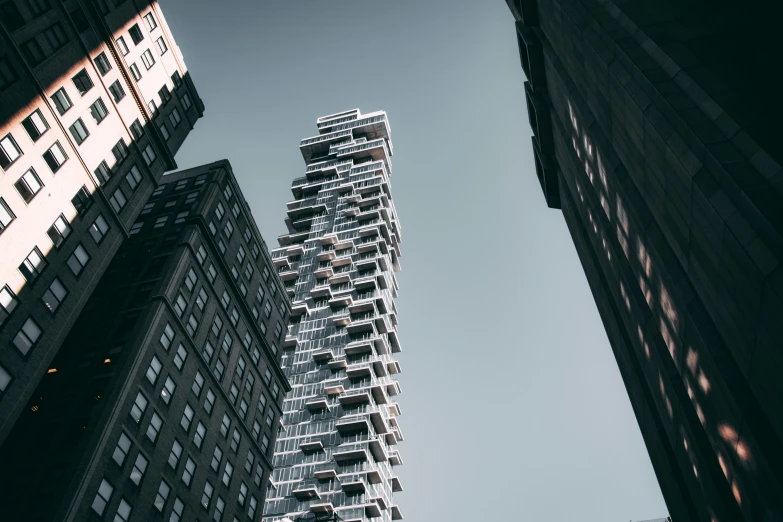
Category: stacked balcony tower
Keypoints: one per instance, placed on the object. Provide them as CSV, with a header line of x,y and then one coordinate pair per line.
x,y
336,454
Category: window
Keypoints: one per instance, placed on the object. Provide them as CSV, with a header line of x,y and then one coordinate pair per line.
x,y
251,510
176,453
249,383
242,494
234,392
78,260
243,409
55,157
122,46
234,317
167,337
260,295
188,472
152,107
227,342
267,309
136,129
122,449
153,370
236,438
164,131
102,63
219,369
135,72
261,403
139,407
235,210
220,506
180,357
61,101
225,425
8,304
206,498
123,511
79,131
156,423
161,45
82,81
249,461
219,211
187,417
54,295
278,329
192,325
174,117
118,200
55,36
33,265
35,125
120,150
225,299
264,444
32,51
165,96
185,99
133,177
228,229
180,305
169,387
209,403
228,471
150,20
249,271
117,92
102,172
208,351
162,496
180,217
148,59
176,79
217,456
28,185
139,468
259,475
136,34
198,437
211,273
149,154
99,229
136,228
256,430
241,365
198,384
270,418
102,497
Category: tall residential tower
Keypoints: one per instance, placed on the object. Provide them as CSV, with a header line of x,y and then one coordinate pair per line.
x,y
336,454
657,131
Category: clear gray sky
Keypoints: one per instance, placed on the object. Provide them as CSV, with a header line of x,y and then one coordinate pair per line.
x,y
513,406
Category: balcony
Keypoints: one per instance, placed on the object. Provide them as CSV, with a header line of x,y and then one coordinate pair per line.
x,y
301,212
339,278
379,394
323,272
353,486
395,410
358,370
395,510
321,291
311,446
380,501
351,211
328,239
353,425
359,327
319,144
378,453
393,367
318,404
325,507
337,364
359,347
326,256
395,459
325,474
372,510
373,477
352,454
288,275
352,397
393,388
394,342
334,389
299,309
323,355
342,319
289,239
308,493
290,342
342,300
391,438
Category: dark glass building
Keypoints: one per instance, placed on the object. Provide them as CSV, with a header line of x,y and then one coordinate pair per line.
x,y
656,131
164,401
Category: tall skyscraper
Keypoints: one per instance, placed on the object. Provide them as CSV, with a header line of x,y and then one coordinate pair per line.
x,y
95,100
163,402
657,131
336,454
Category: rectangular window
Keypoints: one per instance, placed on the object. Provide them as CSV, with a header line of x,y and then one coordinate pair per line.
x,y
35,125
82,81
180,304
162,47
99,229
136,34
162,495
228,471
98,110
148,59
61,101
102,172
153,430
209,402
123,511
122,46
208,351
150,20
139,407
251,510
135,72
102,63
217,456
54,295
185,99
187,417
164,131
167,337
102,497
188,472
165,94
153,370
27,336
198,437
55,157
180,357
139,468
28,185
136,129
31,50
9,151
169,387
206,497
176,453
33,265
117,92
198,384
118,200
120,150
8,303
79,131
149,154
133,177
122,449
176,79
192,325
78,260
81,201
152,107
55,36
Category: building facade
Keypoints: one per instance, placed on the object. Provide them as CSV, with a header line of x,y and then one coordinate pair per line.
x,y
336,455
164,401
95,100
657,134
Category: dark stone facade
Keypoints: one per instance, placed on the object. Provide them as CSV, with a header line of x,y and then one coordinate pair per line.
x,y
656,131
